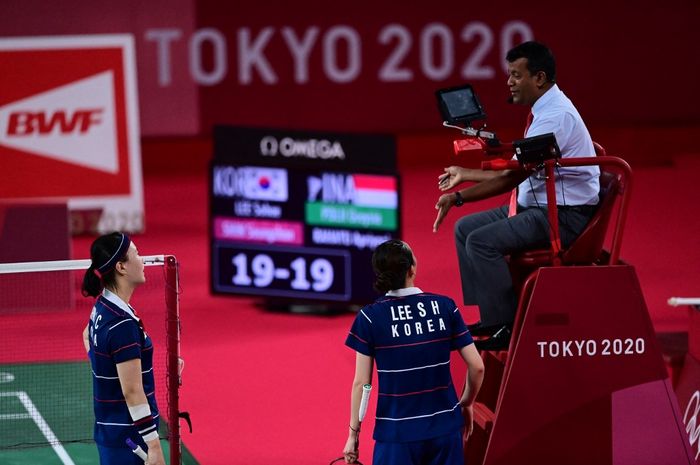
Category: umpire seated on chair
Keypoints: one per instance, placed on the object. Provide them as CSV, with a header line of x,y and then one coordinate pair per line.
x,y
484,239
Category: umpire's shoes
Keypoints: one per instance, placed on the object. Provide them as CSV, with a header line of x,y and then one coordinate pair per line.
x,y
480,329
499,341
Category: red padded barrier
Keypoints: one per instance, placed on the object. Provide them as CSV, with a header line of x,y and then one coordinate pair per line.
x,y
34,232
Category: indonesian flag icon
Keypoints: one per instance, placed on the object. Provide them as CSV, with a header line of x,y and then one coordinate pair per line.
x,y
73,123
375,191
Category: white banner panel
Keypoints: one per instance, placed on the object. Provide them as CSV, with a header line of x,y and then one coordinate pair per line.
x,y
69,127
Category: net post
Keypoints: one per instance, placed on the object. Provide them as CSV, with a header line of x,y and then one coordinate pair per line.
x,y
173,349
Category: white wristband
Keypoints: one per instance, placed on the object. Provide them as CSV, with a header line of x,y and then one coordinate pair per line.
x,y
139,411
144,421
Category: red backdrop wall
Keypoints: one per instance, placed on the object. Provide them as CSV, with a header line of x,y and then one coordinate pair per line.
x,y
373,66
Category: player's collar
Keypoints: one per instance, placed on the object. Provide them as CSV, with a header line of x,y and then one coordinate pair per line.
x,y
404,292
116,300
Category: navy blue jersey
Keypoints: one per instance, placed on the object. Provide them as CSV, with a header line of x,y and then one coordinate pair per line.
x,y
116,336
410,334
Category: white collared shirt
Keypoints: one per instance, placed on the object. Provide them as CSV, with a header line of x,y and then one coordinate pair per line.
x,y
116,300
553,112
403,292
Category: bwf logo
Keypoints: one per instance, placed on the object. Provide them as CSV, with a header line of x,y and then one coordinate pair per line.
x,y
24,123
73,123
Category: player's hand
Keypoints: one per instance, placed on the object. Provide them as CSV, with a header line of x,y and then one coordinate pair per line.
x,y
468,413
443,205
452,177
349,452
155,458
155,453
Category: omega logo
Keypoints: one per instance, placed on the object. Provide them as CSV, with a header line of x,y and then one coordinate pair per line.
x,y
310,148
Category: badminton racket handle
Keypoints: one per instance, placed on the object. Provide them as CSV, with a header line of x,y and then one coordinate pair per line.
x,y
136,449
366,389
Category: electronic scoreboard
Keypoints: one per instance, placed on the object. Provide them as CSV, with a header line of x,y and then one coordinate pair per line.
x,y
296,215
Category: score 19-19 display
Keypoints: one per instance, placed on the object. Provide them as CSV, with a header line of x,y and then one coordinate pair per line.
x,y
296,216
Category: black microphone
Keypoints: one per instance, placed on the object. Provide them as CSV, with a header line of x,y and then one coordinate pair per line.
x,y
510,100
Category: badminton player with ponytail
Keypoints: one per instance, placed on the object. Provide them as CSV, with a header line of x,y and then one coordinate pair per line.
x,y
410,335
121,355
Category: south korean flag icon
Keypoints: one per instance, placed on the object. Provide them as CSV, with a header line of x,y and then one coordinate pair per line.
x,y
264,183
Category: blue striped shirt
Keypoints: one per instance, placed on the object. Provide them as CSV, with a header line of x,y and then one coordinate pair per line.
x,y
410,334
116,336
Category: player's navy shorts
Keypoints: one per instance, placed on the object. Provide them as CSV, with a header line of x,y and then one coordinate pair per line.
x,y
443,450
117,456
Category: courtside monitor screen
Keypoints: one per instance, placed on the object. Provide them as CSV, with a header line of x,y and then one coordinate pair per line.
x,y
459,105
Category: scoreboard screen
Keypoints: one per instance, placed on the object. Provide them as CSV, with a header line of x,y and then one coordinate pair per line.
x,y
300,227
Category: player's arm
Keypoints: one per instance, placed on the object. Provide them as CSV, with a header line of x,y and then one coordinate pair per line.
x,y
130,379
475,376
363,375
86,339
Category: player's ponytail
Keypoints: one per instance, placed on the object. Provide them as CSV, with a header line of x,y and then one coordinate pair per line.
x,y
92,285
391,262
105,252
